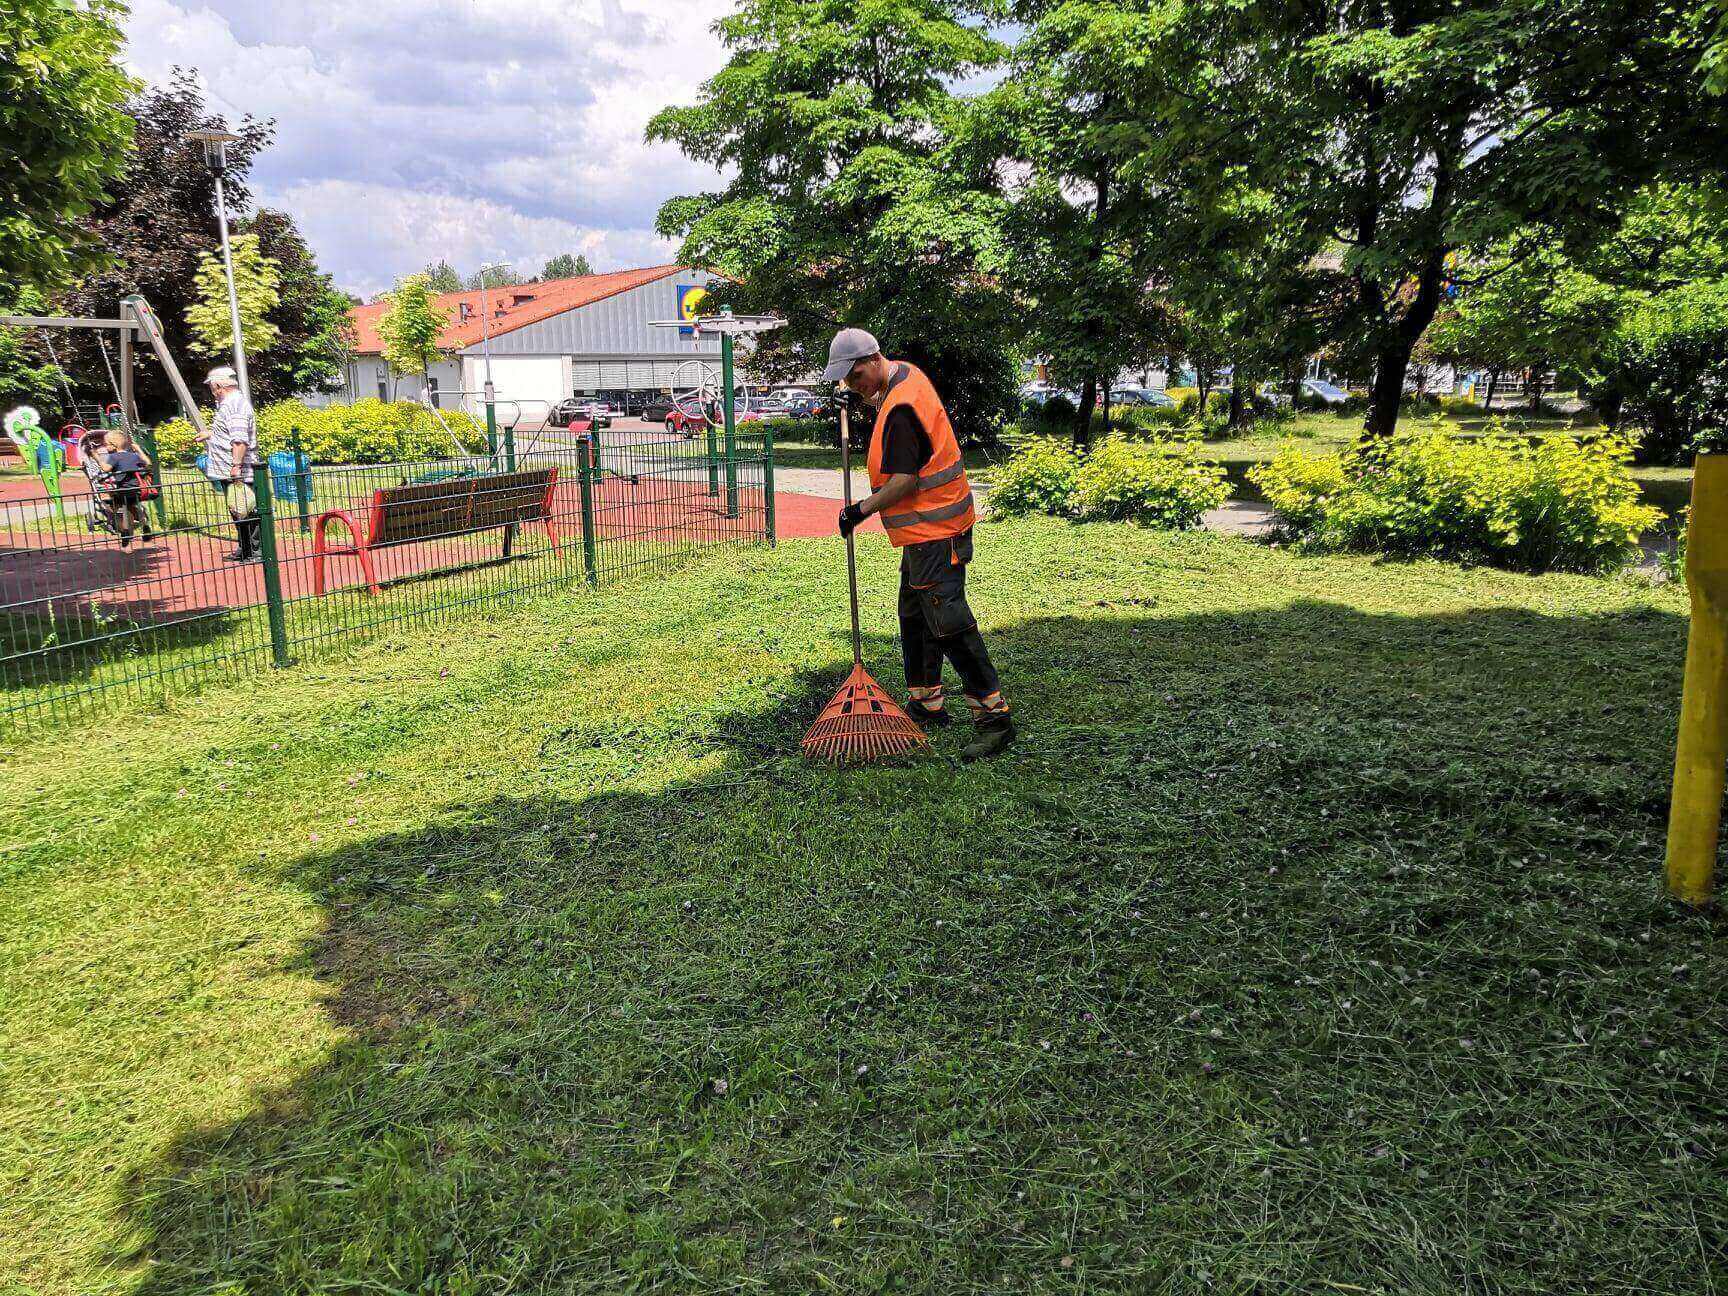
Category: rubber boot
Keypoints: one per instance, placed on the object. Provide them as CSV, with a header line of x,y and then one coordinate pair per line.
x,y
992,736
926,718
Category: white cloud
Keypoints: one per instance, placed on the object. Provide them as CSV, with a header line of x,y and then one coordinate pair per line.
x,y
379,226
407,130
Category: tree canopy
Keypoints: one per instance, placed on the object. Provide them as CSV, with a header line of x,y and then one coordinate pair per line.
x,y
1402,131
850,203
567,265
315,335
256,292
156,225
67,136
411,327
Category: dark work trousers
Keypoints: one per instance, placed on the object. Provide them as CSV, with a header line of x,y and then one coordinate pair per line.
x,y
936,622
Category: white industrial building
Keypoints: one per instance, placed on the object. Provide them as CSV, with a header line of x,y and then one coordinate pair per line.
x,y
547,341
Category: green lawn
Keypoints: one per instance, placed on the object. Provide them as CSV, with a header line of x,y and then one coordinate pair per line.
x,y
1311,941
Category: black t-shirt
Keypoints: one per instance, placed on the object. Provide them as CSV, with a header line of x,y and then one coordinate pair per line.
x,y
907,447
125,466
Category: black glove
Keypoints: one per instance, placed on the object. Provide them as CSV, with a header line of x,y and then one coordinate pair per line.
x,y
851,518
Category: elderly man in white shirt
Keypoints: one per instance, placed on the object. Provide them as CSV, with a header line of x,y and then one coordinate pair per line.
x,y
232,450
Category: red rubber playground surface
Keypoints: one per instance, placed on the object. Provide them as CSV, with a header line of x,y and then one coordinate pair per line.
x,y
188,573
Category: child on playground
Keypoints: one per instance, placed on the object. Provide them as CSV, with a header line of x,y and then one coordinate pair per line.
x,y
126,466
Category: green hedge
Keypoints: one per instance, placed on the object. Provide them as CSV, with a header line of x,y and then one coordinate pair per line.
x,y
368,431
1155,483
1551,503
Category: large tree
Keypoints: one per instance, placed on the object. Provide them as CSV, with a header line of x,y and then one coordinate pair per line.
x,y
1405,129
157,224
848,202
316,337
64,137
1081,227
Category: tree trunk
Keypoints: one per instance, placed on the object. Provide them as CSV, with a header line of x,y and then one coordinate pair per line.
x,y
1083,416
1535,392
1493,382
1238,404
1106,409
1609,409
1390,366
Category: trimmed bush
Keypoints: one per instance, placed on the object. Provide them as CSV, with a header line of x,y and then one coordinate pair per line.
x,y
1038,478
1551,503
1156,483
1299,485
368,431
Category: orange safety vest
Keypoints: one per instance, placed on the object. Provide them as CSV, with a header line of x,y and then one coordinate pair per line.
x,y
942,504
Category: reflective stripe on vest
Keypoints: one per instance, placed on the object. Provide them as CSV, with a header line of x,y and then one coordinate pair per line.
x,y
940,505
929,515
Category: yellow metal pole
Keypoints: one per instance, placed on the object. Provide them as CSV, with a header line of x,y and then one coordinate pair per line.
x,y
1701,762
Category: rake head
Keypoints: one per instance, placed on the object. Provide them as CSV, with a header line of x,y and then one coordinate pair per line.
x,y
862,723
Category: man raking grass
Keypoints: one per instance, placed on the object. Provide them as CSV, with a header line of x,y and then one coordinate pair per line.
x,y
919,488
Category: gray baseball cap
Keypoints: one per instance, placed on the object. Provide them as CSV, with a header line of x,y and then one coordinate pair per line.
x,y
847,349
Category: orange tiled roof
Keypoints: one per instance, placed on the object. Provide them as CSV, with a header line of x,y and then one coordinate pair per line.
x,y
513,306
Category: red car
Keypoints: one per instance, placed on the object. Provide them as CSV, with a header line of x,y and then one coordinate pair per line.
x,y
687,423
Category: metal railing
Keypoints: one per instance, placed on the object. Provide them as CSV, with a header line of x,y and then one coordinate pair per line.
x,y
87,623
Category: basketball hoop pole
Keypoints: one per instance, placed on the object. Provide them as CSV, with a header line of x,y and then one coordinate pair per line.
x,y
731,417
726,324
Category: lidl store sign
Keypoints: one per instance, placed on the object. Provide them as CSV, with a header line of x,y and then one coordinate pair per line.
x,y
690,299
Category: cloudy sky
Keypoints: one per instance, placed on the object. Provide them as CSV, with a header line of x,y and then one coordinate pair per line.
x,y
475,130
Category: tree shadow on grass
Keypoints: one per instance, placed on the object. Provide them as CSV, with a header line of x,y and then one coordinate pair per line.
x,y
1291,950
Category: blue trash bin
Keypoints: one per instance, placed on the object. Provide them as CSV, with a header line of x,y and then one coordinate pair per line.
x,y
289,473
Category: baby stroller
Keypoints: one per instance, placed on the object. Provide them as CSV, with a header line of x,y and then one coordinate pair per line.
x,y
103,514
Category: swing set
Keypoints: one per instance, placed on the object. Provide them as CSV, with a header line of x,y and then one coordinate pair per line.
x,y
136,321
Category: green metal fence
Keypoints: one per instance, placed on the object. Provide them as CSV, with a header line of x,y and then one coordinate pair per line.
x,y
87,623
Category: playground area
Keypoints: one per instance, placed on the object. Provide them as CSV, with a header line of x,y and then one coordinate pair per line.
x,y
84,617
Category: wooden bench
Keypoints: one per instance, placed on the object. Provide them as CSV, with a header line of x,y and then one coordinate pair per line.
x,y
436,511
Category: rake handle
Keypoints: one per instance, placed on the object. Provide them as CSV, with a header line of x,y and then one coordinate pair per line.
x,y
851,553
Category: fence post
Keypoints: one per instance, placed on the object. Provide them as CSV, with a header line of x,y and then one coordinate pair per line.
x,y
731,426
491,422
768,478
585,474
510,447
272,565
713,459
147,439
302,478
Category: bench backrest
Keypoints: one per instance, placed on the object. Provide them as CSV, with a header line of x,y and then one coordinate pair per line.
x,y
444,508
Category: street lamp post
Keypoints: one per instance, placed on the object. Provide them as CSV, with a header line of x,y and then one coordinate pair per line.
x,y
486,355
216,144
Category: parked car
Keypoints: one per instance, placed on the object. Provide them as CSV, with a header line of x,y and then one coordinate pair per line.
x,y
655,407
766,406
810,407
1323,391
1138,396
581,409
1038,395
792,395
